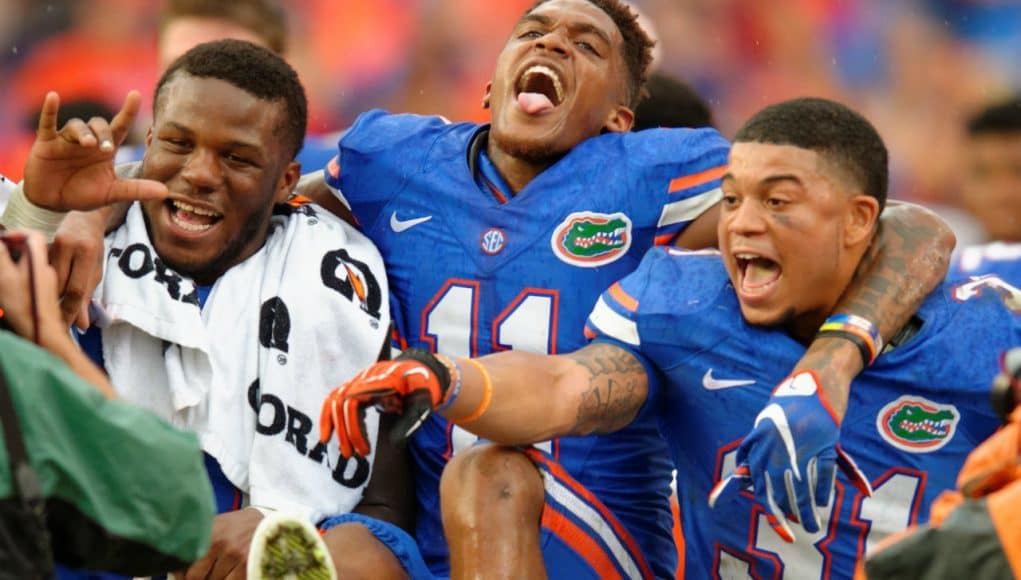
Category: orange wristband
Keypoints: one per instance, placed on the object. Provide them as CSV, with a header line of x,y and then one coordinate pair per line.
x,y
487,395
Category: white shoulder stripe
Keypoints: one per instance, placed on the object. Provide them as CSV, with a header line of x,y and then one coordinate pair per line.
x,y
614,325
689,209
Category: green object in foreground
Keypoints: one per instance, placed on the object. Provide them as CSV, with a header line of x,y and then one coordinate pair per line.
x,y
125,491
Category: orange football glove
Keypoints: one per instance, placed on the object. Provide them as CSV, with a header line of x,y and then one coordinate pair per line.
x,y
412,385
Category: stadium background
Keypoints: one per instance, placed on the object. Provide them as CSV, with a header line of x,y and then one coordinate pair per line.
x,y
916,68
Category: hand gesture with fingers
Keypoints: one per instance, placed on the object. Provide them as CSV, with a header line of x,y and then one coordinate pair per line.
x,y
72,169
791,457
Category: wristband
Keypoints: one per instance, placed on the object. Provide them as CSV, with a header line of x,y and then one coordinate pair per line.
x,y
455,380
487,395
858,330
22,213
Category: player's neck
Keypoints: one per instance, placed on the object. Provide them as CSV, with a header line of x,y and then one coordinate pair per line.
x,y
516,172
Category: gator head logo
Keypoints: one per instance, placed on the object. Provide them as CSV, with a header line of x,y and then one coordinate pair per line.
x,y
917,425
590,239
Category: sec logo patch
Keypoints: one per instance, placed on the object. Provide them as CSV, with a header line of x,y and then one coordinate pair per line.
x,y
493,241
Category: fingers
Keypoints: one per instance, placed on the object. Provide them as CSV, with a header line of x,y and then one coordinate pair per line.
x,y
121,123
416,410
200,569
799,497
775,516
47,130
825,480
76,131
853,472
727,489
136,189
341,428
101,131
354,424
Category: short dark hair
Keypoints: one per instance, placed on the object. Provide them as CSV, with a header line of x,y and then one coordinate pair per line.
x,y
253,69
1000,117
637,44
671,103
830,129
264,18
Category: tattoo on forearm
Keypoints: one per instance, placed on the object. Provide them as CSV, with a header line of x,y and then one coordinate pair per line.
x,y
909,258
617,389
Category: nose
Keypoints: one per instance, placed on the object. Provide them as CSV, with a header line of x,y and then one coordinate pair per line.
x,y
553,42
746,219
202,170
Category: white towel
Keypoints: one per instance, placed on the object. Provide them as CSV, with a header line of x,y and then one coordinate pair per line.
x,y
278,332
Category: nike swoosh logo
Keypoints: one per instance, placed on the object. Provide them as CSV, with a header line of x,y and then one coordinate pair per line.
x,y
402,225
713,384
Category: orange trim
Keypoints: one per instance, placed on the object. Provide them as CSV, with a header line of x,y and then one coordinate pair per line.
x,y
701,178
589,333
678,532
561,474
333,167
580,542
622,297
665,239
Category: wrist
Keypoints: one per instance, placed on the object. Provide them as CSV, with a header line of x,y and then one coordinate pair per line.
x,y
21,213
857,330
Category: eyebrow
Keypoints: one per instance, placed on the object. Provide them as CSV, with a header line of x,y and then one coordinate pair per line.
x,y
771,180
579,28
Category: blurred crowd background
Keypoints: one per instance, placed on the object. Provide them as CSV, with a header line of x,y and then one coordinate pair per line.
x,y
916,68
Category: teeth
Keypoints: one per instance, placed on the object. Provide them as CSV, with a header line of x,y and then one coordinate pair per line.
x,y
746,256
545,70
195,210
188,226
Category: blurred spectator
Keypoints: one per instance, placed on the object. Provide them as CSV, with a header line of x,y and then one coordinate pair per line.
x,y
84,478
187,23
992,169
671,103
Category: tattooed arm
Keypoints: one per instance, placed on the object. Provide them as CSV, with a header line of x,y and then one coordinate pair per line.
x,y
907,260
597,389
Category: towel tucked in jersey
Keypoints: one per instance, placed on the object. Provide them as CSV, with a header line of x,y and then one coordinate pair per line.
x,y
248,370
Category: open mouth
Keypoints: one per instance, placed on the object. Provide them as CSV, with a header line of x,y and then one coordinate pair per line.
x,y
539,90
758,274
191,218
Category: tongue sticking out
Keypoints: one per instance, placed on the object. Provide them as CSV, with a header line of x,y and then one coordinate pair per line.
x,y
534,103
760,273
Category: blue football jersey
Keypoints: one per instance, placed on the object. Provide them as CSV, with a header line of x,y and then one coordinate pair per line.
x,y
470,275
999,258
912,417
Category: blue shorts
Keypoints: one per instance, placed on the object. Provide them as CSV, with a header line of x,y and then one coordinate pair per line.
x,y
581,538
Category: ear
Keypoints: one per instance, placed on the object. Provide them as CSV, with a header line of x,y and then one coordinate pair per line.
x,y
620,120
288,181
488,95
861,219
148,137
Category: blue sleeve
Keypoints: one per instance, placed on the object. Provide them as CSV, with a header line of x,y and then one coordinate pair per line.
x,y
615,320
396,540
375,158
676,176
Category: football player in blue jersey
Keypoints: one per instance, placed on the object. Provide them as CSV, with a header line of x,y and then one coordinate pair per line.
x,y
502,236
698,342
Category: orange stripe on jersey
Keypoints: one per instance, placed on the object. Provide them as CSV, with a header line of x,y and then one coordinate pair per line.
x,y
298,200
688,181
589,333
565,478
333,167
622,297
665,239
580,542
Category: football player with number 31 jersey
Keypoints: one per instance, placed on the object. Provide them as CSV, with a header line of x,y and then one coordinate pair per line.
x,y
697,343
